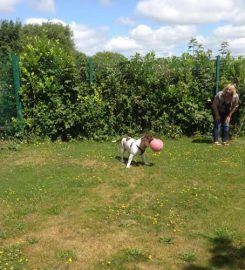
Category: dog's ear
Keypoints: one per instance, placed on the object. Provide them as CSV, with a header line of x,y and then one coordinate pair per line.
x,y
145,142
149,138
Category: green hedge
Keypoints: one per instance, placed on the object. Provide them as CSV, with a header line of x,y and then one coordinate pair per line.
x,y
169,96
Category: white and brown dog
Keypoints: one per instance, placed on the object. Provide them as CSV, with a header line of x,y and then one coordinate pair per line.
x,y
135,147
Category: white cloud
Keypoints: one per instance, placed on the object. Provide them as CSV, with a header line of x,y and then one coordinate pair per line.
x,y
177,20
237,46
89,40
8,6
191,11
126,21
164,39
105,2
239,17
43,5
229,32
38,21
234,35
140,39
122,44
42,20
144,39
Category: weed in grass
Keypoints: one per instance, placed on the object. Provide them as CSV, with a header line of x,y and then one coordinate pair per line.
x,y
14,223
188,256
166,240
67,255
221,236
174,220
12,258
3,235
20,226
24,210
224,252
13,146
121,260
31,240
54,210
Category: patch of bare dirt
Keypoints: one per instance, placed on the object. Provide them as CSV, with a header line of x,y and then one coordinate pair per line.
x,y
91,163
88,247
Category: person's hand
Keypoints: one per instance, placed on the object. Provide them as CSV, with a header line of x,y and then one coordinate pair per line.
x,y
217,118
227,120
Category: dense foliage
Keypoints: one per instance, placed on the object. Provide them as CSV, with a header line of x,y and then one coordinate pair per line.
x,y
63,96
49,90
7,100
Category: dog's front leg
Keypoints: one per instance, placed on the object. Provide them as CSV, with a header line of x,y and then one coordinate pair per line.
x,y
129,160
144,159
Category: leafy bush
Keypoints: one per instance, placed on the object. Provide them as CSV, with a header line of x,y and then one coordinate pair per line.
x,y
49,89
170,96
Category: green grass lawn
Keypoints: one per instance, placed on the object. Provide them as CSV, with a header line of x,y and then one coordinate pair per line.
x,y
75,206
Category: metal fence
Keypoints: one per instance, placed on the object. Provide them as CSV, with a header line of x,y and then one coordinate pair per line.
x,y
10,106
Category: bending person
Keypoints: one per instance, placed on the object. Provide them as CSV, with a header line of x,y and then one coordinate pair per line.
x,y
224,105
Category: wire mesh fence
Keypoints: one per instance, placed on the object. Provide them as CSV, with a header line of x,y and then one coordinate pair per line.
x,y
7,94
10,106
104,76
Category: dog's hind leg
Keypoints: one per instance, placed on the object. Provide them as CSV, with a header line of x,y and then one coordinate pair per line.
x,y
122,154
122,151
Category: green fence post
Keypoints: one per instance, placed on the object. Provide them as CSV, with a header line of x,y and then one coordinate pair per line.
x,y
91,70
16,77
217,74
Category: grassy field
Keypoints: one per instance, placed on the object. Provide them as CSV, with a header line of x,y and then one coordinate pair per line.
x,y
75,206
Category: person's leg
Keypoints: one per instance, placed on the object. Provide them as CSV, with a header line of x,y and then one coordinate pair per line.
x,y
216,130
224,128
225,132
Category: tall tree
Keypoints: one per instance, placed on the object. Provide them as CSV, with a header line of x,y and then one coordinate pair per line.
x,y
224,49
194,47
52,31
10,35
104,62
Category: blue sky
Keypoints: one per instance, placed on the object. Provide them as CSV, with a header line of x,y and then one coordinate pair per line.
x,y
130,26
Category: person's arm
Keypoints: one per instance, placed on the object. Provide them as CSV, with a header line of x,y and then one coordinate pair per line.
x,y
235,104
215,106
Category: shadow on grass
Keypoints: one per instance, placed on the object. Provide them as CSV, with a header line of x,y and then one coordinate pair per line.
x,y
134,163
206,140
223,255
195,267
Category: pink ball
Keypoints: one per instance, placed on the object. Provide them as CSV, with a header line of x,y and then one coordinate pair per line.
x,y
156,145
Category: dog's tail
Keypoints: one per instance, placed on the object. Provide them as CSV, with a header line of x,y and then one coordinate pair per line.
x,y
115,141
120,139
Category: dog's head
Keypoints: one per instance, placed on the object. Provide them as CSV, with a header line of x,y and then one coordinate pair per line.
x,y
145,141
